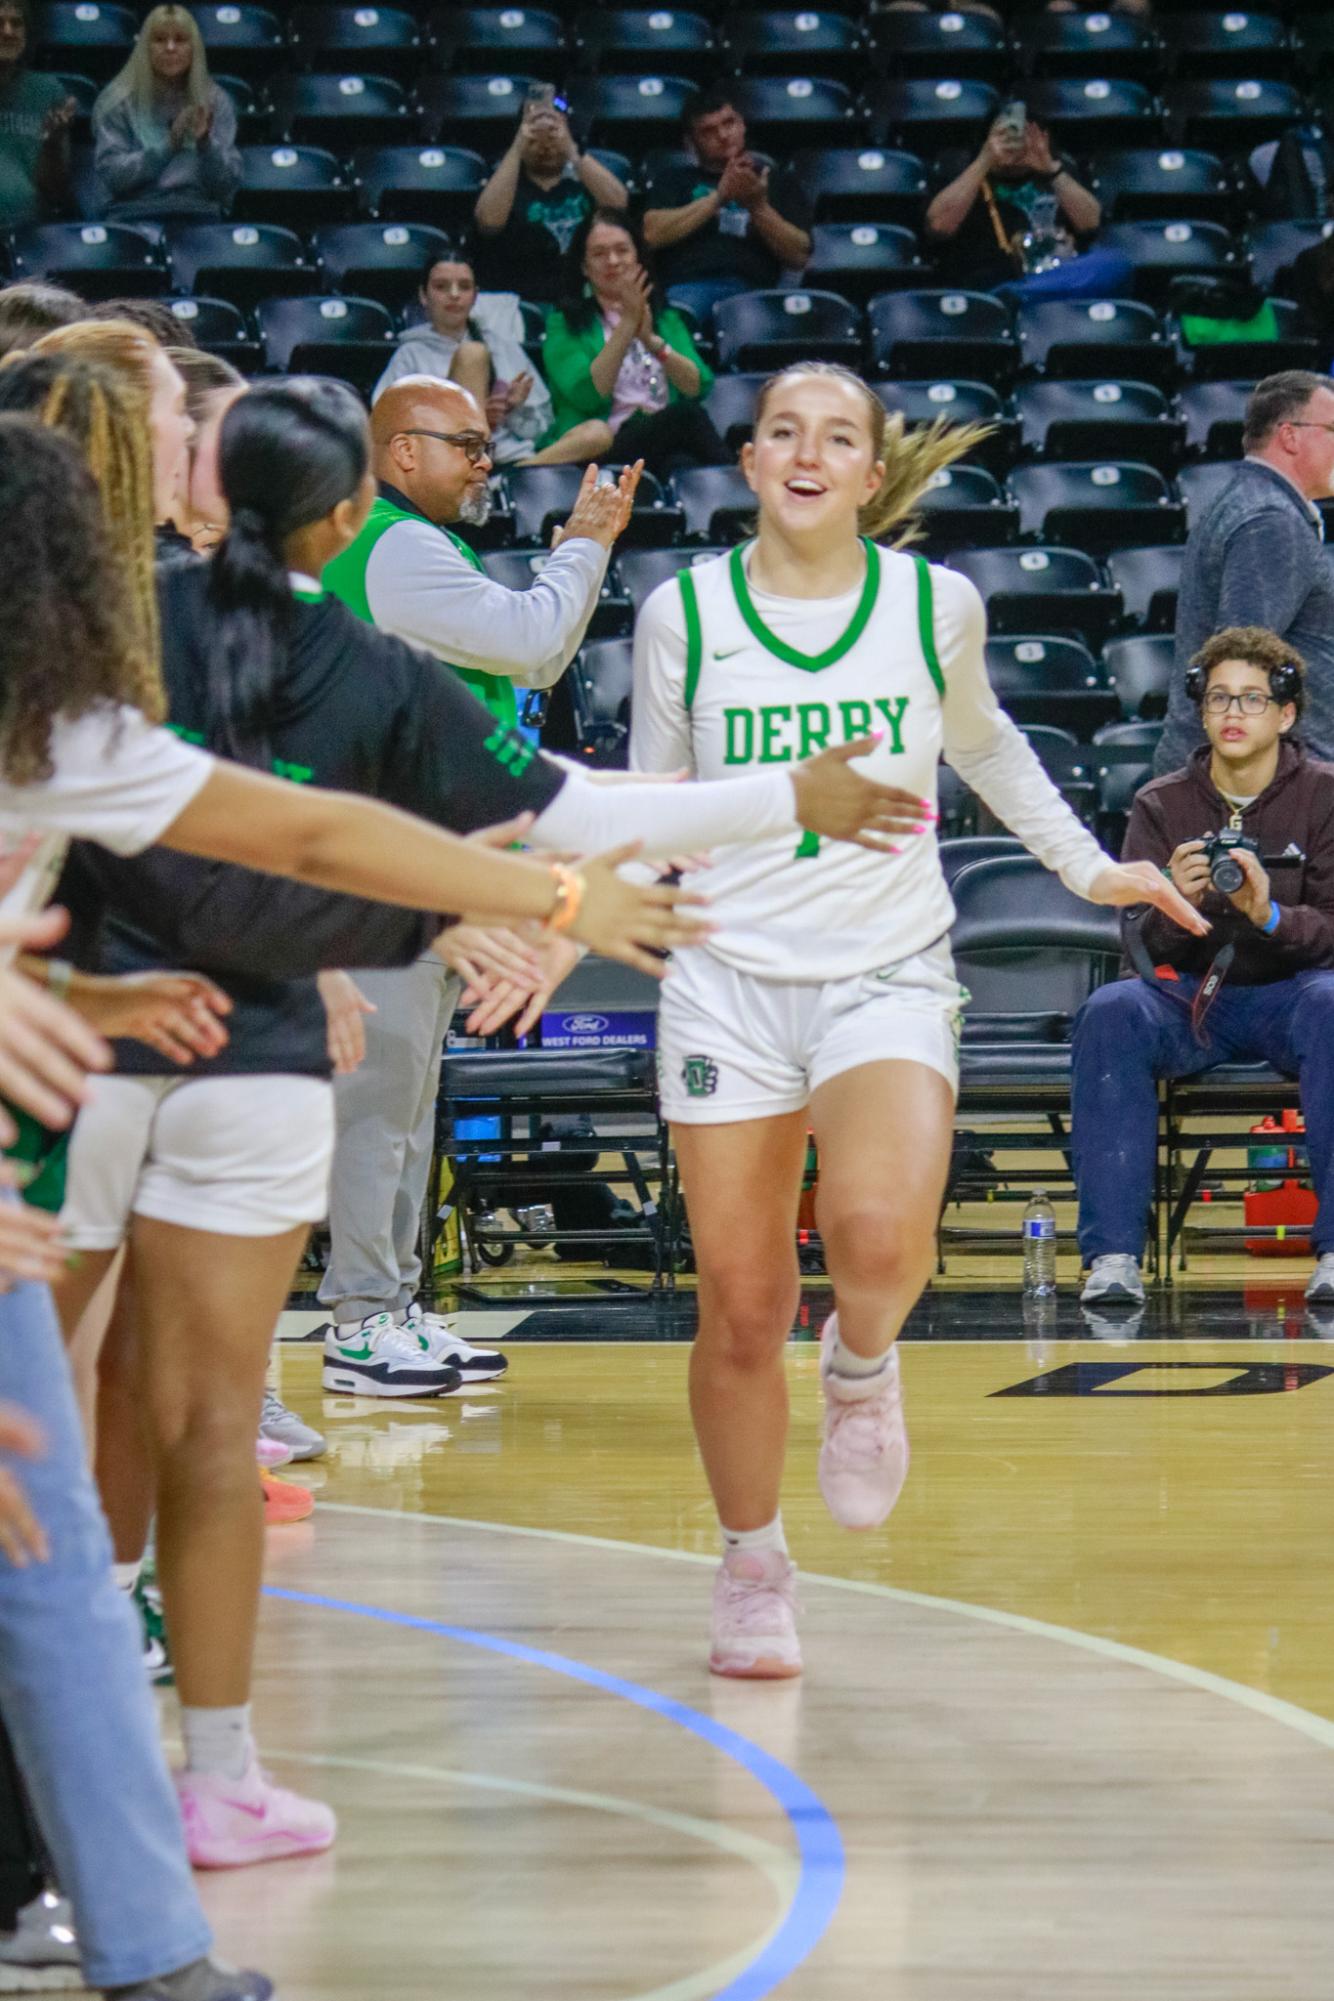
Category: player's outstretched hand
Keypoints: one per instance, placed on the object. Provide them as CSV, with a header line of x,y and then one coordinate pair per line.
x,y
1140,882
634,921
835,800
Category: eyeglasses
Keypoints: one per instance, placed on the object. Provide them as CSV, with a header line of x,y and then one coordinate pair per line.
x,y
1250,701
1309,424
471,443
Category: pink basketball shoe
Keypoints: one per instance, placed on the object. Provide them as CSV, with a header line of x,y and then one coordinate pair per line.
x,y
864,1456
754,1632
232,1822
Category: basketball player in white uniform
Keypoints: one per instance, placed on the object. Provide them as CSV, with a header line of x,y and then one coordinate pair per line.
x,y
826,998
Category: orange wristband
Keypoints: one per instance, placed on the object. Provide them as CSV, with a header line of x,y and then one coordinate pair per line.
x,y
569,898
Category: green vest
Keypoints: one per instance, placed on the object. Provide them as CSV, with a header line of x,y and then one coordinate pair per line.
x,y
346,578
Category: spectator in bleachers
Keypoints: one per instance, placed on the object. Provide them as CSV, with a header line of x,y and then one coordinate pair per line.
x,y
623,366
722,222
1294,176
165,132
539,195
1258,556
35,116
1015,217
27,311
1276,1003
476,339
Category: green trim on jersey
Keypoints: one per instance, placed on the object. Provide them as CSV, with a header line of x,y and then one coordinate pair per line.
x,y
926,623
810,663
345,576
694,636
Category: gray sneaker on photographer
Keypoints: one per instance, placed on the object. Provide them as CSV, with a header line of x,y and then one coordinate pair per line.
x,y
204,1980
1321,1282
1113,1278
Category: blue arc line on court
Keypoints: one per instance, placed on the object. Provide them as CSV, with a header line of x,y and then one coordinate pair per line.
x,y
819,1844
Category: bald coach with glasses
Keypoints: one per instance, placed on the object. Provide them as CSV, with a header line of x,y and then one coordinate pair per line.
x,y
1258,557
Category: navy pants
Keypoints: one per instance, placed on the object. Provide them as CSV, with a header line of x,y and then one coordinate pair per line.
x,y
1129,1034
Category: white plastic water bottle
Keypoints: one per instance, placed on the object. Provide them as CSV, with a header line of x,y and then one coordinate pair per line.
x,y
1039,1247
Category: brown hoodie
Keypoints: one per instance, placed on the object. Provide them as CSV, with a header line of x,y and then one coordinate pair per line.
x,y
1292,823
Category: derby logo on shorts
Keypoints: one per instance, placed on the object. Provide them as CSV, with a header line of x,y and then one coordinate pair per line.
x,y
700,1075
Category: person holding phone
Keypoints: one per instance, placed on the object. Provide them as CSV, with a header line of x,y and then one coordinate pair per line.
x,y
1016,214
540,194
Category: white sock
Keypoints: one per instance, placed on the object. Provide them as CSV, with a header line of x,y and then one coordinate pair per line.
x,y
217,1741
858,1375
127,1575
769,1537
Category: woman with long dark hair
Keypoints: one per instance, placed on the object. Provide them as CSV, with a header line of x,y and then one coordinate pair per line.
x,y
617,356
216,1179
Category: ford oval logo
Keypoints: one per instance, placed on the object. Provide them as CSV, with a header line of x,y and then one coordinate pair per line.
x,y
585,1024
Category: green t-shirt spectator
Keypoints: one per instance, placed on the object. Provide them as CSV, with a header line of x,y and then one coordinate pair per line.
x,y
26,99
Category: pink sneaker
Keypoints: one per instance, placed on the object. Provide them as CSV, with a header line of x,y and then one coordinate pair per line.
x,y
864,1457
272,1451
754,1633
230,1822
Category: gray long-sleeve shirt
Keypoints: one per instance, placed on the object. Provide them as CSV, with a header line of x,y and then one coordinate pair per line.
x,y
138,180
1257,558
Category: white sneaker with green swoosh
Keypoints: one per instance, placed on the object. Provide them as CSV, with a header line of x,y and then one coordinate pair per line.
x,y
377,1357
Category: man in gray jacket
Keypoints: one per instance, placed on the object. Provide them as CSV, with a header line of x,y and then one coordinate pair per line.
x,y
1258,557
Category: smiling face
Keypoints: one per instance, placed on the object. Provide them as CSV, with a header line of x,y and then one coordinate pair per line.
x,y
1236,737
449,295
171,50
609,257
813,463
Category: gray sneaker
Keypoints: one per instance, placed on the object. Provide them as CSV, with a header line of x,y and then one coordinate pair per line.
x,y
1321,1284
282,1425
1111,1278
205,1980
41,1954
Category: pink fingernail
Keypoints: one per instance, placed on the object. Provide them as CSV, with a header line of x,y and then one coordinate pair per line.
x,y
917,830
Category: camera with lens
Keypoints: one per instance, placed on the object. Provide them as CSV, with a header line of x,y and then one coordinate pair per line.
x,y
1220,851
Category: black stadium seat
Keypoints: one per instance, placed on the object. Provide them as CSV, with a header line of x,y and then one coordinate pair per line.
x,y
1148,580
717,503
770,329
1041,679
349,338
1095,111
1025,946
241,37
1162,251
601,684
784,113
542,498
1042,590
435,184
957,402
863,184
957,854
99,260
1293,346
906,43
1093,44
519,569
89,36
340,112
969,334
383,41
1214,413
825,44
378,260
647,38
1231,44
1116,338
965,508
1231,117
1139,667
631,112
240,261
1275,246
731,404
498,38
1155,183
1109,420
220,327
479,112
639,572
927,114
858,259
300,186
1200,486
1097,506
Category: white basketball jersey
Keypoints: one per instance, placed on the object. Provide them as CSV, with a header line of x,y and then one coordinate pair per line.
x,y
815,909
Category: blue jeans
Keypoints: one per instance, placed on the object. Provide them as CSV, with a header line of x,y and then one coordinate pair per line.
x,y
1129,1034
1097,274
75,1697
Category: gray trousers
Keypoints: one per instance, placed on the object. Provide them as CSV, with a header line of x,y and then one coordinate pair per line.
x,y
382,1153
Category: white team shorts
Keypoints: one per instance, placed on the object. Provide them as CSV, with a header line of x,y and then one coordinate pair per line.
x,y
731,1046
242,1156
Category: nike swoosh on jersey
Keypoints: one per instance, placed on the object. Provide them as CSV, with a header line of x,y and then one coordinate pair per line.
x,y
727,652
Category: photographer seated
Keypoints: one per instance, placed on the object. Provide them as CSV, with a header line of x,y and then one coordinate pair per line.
x,y
1258,988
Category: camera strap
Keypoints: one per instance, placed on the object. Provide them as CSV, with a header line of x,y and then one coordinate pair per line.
x,y
1205,994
